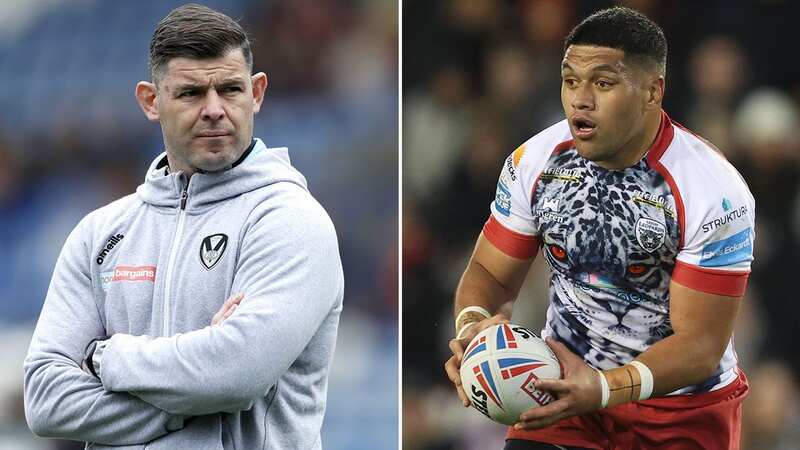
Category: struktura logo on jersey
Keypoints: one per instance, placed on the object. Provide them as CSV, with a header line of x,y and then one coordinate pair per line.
x,y
730,215
110,244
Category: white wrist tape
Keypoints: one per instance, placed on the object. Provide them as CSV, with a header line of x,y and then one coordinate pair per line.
x,y
477,309
606,391
647,379
461,333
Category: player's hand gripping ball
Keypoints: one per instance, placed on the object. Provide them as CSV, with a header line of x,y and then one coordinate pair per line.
x,y
498,370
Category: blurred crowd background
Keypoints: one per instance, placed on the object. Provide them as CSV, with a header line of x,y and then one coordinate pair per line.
x,y
72,138
482,76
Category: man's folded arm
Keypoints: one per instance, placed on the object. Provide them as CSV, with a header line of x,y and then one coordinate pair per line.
x,y
290,273
63,401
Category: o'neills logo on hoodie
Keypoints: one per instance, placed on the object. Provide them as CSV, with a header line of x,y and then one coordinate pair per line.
x,y
134,273
112,241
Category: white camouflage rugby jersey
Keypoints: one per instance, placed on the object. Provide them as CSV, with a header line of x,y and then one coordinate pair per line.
x,y
614,239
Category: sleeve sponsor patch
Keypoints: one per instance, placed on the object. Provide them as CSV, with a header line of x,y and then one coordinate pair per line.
x,y
731,250
502,199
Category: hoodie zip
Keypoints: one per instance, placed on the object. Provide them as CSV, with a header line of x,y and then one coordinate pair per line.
x,y
173,253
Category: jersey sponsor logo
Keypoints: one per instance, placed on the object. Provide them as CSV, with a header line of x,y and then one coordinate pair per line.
x,y
656,201
568,175
502,199
129,273
518,154
731,250
511,168
726,204
730,215
550,203
551,217
110,244
548,211
212,248
650,234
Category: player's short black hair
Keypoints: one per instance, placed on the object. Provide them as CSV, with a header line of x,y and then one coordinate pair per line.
x,y
195,31
622,28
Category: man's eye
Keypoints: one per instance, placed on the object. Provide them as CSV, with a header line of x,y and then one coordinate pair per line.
x,y
186,94
603,84
231,89
570,82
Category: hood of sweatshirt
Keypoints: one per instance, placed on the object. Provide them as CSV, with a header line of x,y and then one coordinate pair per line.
x,y
259,166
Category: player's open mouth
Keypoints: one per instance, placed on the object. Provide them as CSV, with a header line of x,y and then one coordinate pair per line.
x,y
583,128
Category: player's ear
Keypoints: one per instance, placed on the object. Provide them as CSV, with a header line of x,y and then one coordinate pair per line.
x,y
655,92
146,94
259,88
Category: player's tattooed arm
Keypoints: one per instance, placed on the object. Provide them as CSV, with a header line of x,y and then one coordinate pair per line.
x,y
702,324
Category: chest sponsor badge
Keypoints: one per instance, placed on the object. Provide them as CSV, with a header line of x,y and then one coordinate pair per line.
x,y
549,210
128,273
212,248
650,234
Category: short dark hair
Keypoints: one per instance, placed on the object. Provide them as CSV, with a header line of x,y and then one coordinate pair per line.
x,y
624,29
195,31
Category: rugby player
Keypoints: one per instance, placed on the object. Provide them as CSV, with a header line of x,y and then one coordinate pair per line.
x,y
648,232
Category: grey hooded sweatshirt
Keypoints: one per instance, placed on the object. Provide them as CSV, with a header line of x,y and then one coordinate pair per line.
x,y
150,270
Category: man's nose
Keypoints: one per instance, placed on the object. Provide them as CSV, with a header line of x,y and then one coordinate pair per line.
x,y
213,110
583,99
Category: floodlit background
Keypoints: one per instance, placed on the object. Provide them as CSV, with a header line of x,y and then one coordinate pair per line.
x,y
482,76
72,138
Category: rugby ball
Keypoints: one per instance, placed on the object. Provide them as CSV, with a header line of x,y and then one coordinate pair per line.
x,y
498,370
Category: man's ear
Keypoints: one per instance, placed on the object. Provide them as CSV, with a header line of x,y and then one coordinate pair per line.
x,y
259,88
146,93
655,94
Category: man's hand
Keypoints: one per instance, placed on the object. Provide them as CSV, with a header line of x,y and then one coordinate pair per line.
x,y
577,393
227,309
457,346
